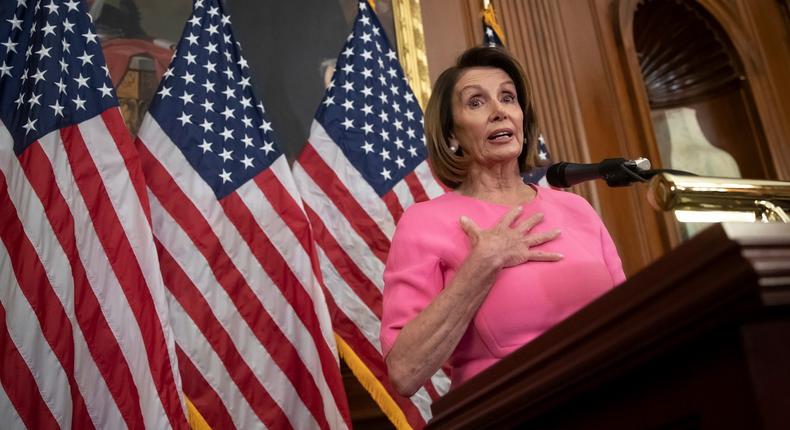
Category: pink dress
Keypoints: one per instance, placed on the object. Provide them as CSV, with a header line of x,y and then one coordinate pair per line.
x,y
526,300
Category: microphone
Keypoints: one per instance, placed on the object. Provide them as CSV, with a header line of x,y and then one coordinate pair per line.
x,y
617,172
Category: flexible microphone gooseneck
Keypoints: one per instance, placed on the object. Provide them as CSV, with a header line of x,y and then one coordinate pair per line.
x,y
617,172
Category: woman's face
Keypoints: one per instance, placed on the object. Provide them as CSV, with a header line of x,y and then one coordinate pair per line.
x,y
488,119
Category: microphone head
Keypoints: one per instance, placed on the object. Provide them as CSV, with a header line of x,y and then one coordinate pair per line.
x,y
555,176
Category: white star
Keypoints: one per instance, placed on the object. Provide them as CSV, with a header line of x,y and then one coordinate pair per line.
x,y
266,126
543,156
384,117
168,73
188,78
376,31
348,52
190,58
368,147
43,52
66,45
61,86
68,26
399,143
227,134
247,141
72,5
34,100
394,89
413,151
20,100
365,20
229,92
164,92
210,67
246,161
225,176
368,92
368,110
348,86
105,90
396,106
39,75
48,29
410,115
367,73
411,134
385,135
409,97
4,70
15,22
348,123
9,46
212,29
206,125
195,21
198,4
205,146
392,72
86,59
53,8
245,82
348,105
398,124
365,37
246,102
348,68
185,119
213,11
391,55
385,155
400,162
226,155
186,98
267,147
225,20
208,106
211,48
57,108
329,101
367,55
386,174
193,39
227,113
368,128
247,121
31,125
81,82
89,37
80,103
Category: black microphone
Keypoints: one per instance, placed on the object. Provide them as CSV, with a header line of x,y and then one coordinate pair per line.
x,y
617,172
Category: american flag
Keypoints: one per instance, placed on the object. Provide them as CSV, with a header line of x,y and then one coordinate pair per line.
x,y
493,37
253,334
363,165
84,324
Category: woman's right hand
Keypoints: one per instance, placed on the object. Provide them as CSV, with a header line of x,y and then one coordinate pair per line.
x,y
507,244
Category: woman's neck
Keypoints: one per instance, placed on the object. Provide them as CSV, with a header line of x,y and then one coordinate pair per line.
x,y
497,184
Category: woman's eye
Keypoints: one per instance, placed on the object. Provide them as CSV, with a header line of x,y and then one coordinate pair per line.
x,y
508,98
475,102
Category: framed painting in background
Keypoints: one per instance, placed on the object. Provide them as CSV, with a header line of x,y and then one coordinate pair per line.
x,y
290,46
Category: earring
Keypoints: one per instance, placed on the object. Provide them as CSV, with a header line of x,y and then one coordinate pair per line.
x,y
454,147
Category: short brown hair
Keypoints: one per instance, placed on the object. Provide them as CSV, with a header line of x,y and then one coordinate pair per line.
x,y
451,168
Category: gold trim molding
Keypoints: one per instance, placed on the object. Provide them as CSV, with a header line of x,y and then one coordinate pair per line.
x,y
411,47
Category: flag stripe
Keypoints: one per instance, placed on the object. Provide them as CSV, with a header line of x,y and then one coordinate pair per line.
x,y
82,303
19,384
11,418
324,177
130,276
202,395
393,204
350,241
291,214
178,205
199,311
352,276
432,187
415,187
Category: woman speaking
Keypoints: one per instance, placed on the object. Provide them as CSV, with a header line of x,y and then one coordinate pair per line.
x,y
480,271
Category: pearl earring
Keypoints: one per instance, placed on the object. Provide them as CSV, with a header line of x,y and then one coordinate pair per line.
x,y
454,148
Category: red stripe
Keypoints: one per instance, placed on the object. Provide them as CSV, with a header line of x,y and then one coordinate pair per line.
x,y
19,384
391,200
250,308
202,396
416,188
371,358
127,270
285,206
199,310
55,323
337,192
293,291
345,265
123,141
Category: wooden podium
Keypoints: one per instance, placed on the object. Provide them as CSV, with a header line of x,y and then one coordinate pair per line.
x,y
698,340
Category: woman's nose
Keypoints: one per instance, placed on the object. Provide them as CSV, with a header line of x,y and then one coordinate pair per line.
x,y
499,113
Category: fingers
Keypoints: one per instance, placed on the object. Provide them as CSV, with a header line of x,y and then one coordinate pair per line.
x,y
541,238
510,216
469,227
545,256
527,224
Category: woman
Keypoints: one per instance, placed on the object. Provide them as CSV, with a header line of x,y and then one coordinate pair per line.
x,y
480,271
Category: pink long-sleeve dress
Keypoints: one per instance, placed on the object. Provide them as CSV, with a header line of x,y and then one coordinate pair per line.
x,y
526,300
